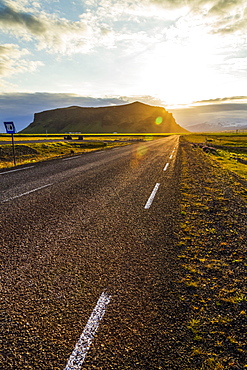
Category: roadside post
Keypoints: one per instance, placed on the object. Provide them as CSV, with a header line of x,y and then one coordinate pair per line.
x,y
10,129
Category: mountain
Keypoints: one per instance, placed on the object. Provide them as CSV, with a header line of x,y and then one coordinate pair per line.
x,y
129,118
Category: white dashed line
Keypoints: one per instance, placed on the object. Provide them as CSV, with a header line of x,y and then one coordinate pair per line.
x,y
18,169
28,192
82,346
170,156
151,198
165,168
67,159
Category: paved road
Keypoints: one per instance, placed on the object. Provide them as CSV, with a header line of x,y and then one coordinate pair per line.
x,y
74,229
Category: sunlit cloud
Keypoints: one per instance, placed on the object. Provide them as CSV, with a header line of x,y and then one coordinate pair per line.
x,y
175,51
12,60
51,33
217,101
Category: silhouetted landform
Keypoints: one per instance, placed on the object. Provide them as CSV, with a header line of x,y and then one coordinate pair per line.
x,y
129,118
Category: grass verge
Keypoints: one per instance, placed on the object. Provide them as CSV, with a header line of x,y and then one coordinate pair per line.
x,y
35,152
230,153
213,258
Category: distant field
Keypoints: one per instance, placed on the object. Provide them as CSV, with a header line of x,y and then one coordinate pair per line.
x,y
35,152
24,137
28,152
231,149
227,139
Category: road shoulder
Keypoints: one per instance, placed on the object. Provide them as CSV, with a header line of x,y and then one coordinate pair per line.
x,y
213,255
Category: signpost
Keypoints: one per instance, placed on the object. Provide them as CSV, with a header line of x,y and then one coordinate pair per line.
x,y
10,129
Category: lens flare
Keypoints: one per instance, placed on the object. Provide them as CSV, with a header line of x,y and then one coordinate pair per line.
x,y
138,155
141,151
158,120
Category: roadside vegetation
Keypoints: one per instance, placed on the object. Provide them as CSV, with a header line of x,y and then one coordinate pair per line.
x,y
212,247
230,149
29,152
35,152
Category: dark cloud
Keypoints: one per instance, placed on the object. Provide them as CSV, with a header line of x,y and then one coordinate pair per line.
x,y
222,100
224,5
216,5
9,17
227,29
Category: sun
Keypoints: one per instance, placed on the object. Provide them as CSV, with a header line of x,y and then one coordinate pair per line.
x,y
179,74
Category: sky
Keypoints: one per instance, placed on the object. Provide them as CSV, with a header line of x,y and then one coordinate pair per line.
x,y
189,56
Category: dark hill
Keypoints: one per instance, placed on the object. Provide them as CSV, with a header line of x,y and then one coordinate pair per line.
x,y
129,118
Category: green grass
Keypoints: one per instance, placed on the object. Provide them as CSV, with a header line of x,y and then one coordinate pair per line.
x,y
226,139
87,136
28,152
35,152
213,262
229,148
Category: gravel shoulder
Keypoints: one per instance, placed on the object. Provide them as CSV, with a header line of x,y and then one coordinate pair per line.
x,y
212,245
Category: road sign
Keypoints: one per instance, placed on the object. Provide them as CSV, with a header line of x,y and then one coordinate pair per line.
x,y
10,127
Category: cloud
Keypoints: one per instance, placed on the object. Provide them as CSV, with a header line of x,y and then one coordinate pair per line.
x,y
13,60
224,16
218,101
225,6
147,99
10,18
54,34
109,24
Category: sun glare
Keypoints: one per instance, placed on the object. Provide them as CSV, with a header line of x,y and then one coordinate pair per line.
x,y
176,72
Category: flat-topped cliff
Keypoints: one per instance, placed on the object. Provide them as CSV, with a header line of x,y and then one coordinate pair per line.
x,y
129,118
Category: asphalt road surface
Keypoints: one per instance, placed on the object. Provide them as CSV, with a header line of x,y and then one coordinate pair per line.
x,y
92,235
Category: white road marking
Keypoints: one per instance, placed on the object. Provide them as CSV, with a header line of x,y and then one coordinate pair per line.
x,y
100,151
28,192
165,168
18,169
82,346
170,156
151,198
67,159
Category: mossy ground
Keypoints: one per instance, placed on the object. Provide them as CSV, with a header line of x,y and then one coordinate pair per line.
x,y
213,258
230,149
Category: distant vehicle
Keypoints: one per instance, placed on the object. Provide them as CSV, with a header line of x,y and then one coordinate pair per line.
x,y
80,137
67,137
